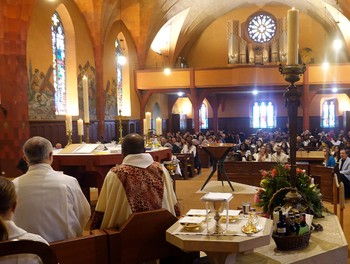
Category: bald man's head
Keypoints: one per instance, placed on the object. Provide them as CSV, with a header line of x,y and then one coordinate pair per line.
x,y
133,144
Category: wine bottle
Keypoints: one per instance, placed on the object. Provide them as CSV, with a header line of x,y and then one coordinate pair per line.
x,y
297,222
304,227
281,225
292,229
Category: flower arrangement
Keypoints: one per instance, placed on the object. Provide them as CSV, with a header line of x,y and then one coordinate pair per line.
x,y
279,178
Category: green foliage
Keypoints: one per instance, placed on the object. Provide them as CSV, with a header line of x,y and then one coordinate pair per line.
x,y
279,178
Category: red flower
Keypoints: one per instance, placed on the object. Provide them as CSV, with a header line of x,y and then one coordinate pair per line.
x,y
299,171
273,173
287,166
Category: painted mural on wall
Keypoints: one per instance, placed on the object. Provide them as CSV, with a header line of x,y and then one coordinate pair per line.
x,y
111,100
90,73
41,92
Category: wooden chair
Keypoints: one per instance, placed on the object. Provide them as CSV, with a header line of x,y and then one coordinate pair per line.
x,y
43,251
186,162
335,194
341,204
338,197
87,249
142,238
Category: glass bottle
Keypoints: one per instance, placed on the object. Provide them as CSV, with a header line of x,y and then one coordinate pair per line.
x,y
292,229
304,227
281,229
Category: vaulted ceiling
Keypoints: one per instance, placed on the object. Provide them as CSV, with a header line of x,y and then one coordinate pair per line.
x,y
144,18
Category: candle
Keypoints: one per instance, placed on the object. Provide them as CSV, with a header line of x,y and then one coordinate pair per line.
x,y
158,126
80,127
292,36
144,127
69,126
86,100
148,120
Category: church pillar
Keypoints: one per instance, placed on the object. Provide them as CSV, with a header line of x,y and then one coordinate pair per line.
x,y
14,118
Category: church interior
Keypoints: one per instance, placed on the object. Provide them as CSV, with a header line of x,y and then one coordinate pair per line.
x,y
214,63
97,70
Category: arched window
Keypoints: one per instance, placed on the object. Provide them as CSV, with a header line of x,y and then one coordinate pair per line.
x,y
59,64
328,113
120,61
203,117
263,115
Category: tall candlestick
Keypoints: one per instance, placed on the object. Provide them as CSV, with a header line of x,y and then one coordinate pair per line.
x,y
144,127
69,126
292,36
158,126
148,120
86,100
80,127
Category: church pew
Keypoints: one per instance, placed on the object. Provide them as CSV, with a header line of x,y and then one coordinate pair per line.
x,y
142,238
250,172
326,180
87,249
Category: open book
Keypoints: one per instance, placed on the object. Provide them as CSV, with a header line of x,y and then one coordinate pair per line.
x,y
79,149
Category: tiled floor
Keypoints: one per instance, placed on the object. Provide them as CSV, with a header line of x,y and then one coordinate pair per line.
x,y
189,198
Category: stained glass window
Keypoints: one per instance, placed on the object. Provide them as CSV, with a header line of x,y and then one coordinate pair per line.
x,y
328,113
119,66
263,115
261,28
203,117
59,64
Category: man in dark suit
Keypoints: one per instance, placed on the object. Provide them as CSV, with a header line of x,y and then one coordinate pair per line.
x,y
344,171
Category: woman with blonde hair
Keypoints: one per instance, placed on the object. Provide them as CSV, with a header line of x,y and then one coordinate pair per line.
x,y
329,160
262,155
8,229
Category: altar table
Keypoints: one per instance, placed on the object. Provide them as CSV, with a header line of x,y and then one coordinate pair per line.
x,y
219,247
91,169
327,246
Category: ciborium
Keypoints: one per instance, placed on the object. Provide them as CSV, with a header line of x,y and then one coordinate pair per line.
x,y
216,203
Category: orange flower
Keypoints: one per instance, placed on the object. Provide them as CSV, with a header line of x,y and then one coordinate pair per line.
x,y
299,171
273,173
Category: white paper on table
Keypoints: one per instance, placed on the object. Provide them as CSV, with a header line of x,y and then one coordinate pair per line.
x,y
217,196
191,220
234,229
197,212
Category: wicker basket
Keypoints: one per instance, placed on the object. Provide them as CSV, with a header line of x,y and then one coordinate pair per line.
x,y
291,242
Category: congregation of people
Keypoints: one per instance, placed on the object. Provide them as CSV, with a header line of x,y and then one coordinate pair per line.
x,y
46,205
264,146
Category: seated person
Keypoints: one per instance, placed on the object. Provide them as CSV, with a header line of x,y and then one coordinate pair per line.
x,y
138,184
50,203
279,156
243,152
262,155
344,171
8,229
329,160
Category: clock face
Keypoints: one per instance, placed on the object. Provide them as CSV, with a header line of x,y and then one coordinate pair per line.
x,y
261,28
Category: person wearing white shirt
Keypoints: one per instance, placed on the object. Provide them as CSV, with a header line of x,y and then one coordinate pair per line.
x,y
344,171
279,156
9,230
189,147
54,201
138,184
262,155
